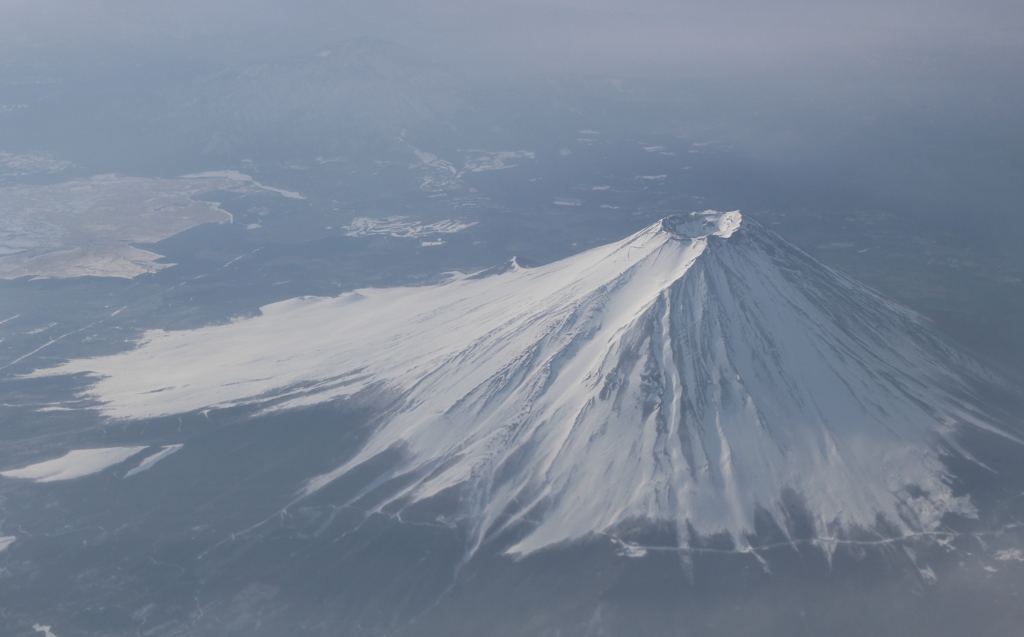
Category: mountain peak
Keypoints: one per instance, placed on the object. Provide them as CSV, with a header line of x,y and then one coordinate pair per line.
x,y
696,225
647,380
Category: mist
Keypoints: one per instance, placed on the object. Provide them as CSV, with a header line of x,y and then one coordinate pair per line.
x,y
176,166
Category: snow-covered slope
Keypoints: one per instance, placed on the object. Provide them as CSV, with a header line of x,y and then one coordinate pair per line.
x,y
691,373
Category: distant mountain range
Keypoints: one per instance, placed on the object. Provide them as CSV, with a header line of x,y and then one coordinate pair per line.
x,y
358,90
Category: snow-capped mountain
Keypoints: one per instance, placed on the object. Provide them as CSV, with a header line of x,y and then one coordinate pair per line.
x,y
694,373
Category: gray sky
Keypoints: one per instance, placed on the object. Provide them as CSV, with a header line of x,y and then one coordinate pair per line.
x,y
561,34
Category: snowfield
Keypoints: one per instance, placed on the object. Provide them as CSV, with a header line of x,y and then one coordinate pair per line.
x,y
148,462
73,464
403,227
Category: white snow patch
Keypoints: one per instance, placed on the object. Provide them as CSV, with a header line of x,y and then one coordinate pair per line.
x,y
442,176
627,549
1010,555
234,175
566,201
500,160
43,629
40,329
73,464
432,160
653,177
5,541
148,462
403,227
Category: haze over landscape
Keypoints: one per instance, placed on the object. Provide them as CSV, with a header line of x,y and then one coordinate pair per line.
x,y
511,318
